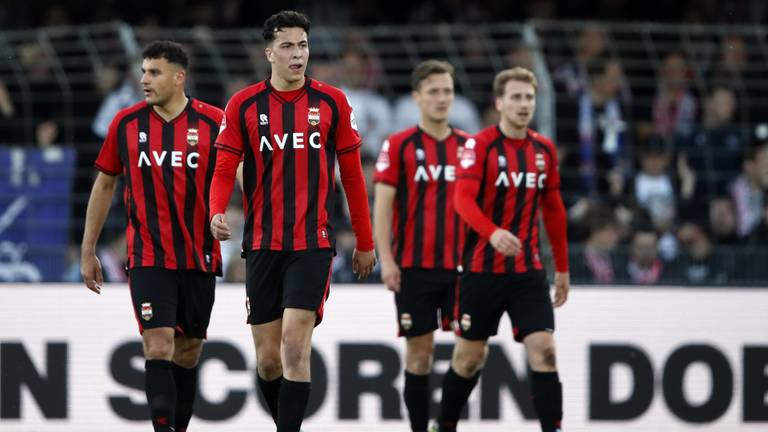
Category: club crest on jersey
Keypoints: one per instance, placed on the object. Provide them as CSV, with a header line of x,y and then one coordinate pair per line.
x,y
192,137
540,163
406,322
146,311
466,322
248,306
314,116
468,158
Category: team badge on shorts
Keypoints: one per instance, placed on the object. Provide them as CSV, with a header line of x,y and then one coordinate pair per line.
x,y
466,322
146,311
540,164
314,116
248,305
406,322
192,137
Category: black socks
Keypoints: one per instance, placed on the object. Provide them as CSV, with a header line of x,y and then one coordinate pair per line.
x,y
417,400
547,395
456,391
271,392
186,388
161,394
292,404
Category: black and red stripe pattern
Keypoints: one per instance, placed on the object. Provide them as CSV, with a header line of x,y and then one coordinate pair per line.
x,y
513,174
426,230
167,166
289,142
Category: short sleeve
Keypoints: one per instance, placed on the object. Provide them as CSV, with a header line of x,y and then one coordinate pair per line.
x,y
472,160
347,136
388,163
230,138
108,160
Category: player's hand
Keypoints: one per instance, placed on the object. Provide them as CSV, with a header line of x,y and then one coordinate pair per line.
x,y
220,227
505,242
90,269
390,275
363,263
562,285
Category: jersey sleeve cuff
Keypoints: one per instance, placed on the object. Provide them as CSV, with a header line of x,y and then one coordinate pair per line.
x,y
228,148
350,148
105,170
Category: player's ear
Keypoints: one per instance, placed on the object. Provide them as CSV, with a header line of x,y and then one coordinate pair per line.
x,y
415,95
498,104
181,76
269,53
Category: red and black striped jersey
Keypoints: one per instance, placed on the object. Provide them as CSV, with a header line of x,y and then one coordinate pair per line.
x,y
289,142
425,226
168,166
513,174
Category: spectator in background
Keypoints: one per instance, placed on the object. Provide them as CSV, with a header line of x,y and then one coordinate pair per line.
x,y
372,111
595,147
760,235
121,88
644,266
9,133
573,77
717,149
748,190
722,221
600,247
698,264
46,101
675,106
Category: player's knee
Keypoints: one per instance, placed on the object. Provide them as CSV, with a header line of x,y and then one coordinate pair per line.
x,y
546,358
188,354
270,366
158,349
469,362
419,361
295,352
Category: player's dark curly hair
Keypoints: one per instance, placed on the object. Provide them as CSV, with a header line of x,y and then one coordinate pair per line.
x,y
169,50
281,20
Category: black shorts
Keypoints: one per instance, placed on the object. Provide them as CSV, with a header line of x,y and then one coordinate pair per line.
x,y
425,301
484,297
276,280
180,299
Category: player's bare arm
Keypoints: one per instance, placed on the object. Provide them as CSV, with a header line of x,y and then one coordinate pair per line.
x,y
98,209
382,229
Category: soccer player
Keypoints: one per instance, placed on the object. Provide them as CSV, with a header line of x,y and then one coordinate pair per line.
x,y
415,175
164,146
507,173
290,129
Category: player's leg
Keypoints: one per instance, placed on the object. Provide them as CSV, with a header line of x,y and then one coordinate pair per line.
x,y
422,294
546,388
197,292
269,366
154,296
185,358
264,291
419,351
479,312
534,323
306,280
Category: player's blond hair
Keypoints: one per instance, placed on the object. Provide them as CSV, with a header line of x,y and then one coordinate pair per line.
x,y
518,73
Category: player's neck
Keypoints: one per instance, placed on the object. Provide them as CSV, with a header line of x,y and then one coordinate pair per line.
x,y
437,130
280,84
511,131
171,109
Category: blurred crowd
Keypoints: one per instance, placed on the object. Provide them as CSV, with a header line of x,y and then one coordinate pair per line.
x,y
664,159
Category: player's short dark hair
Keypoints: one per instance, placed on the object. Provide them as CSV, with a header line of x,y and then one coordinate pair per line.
x,y
169,50
517,73
281,20
429,67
